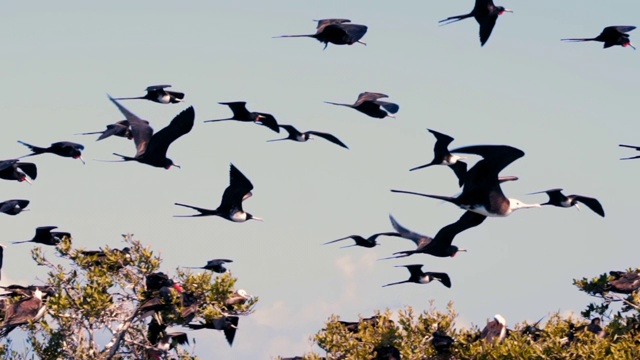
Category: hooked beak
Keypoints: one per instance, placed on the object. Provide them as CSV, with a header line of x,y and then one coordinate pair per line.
x,y
465,250
577,207
257,218
176,165
508,10
362,42
81,159
633,47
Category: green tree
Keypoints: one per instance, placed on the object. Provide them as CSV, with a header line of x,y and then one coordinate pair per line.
x,y
98,296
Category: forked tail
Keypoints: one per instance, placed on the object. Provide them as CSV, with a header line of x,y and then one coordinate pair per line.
x,y
581,39
452,19
36,150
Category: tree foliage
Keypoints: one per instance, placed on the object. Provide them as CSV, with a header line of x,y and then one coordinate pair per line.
x,y
94,312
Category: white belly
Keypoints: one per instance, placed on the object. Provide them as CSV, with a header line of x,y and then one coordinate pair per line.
x,y
239,216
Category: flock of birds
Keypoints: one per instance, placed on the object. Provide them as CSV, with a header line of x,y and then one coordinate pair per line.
x,y
481,195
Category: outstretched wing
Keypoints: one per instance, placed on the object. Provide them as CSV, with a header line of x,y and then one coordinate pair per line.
x,y
419,239
446,235
486,27
328,137
238,108
140,129
369,96
180,125
325,22
591,203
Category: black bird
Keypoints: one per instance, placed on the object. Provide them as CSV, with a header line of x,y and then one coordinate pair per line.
x,y
442,156
481,192
439,245
45,236
115,258
19,171
368,242
1,258
120,129
157,93
230,207
388,352
61,148
610,36
485,13
166,343
336,31
13,207
419,277
24,311
215,265
151,149
354,326
624,282
228,324
495,330
240,113
369,104
442,342
633,147
556,198
296,135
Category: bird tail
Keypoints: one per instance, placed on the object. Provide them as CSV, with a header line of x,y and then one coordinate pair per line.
x,y
396,283
89,133
289,36
399,254
218,120
452,19
124,158
332,103
202,211
421,167
579,39
20,242
277,139
439,197
36,150
630,146
129,98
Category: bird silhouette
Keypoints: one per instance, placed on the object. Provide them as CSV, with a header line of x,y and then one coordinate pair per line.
x,y
442,156
486,14
557,198
227,324
157,93
18,171
336,31
360,241
368,103
230,207
611,36
215,265
45,236
61,148
419,277
240,113
151,149
296,135
120,129
13,207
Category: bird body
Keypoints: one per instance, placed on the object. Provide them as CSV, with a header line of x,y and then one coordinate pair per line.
x,y
61,148
368,103
157,93
151,149
239,297
361,241
240,113
296,135
45,236
495,330
13,207
611,36
19,171
120,129
227,324
624,282
230,207
337,32
442,156
215,265
420,277
556,198
22,312
486,14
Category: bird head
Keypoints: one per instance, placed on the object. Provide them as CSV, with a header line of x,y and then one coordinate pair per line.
x,y
22,176
500,319
168,163
516,204
628,43
453,250
502,10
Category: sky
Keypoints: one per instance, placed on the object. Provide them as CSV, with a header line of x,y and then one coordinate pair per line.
x,y
566,105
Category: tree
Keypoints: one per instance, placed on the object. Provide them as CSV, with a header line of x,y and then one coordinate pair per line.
x,y
114,304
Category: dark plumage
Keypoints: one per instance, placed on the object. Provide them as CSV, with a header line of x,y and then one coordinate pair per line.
x,y
556,198
637,148
228,324
13,207
296,135
419,277
354,326
623,282
240,113
230,207
485,13
442,156
18,171
61,148
368,242
369,104
336,31
439,245
21,312
215,265
495,330
611,36
45,236
157,93
120,129
151,149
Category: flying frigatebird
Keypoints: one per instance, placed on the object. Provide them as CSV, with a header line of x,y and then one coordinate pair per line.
x,y
486,14
557,198
481,192
215,265
228,325
157,93
419,277
368,103
151,149
230,207
361,241
637,148
61,148
45,236
611,36
336,31
120,129
13,207
240,113
19,171
296,135
442,156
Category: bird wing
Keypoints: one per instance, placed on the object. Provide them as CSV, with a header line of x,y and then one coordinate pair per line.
x,y
238,187
486,27
369,96
325,22
328,137
591,203
230,331
446,235
180,125
616,30
460,169
375,236
44,230
352,32
5,164
389,106
555,195
483,4
218,262
156,87
415,269
441,139
238,108
7,205
497,156
293,132
67,144
419,239
269,121
177,95
344,238
113,129
442,277
29,169
140,129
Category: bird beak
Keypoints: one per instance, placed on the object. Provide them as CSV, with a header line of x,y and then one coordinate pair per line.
x,y
508,10
81,159
176,165
362,42
465,250
257,218
633,47
577,207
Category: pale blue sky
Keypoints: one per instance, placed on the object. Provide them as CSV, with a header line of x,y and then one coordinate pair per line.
x,y
567,105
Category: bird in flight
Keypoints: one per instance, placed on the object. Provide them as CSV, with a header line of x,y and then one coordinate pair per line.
x,y
486,14
368,103
611,36
296,135
157,93
336,31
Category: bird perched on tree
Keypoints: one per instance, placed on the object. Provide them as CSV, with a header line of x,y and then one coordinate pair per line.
x,y
24,311
495,330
